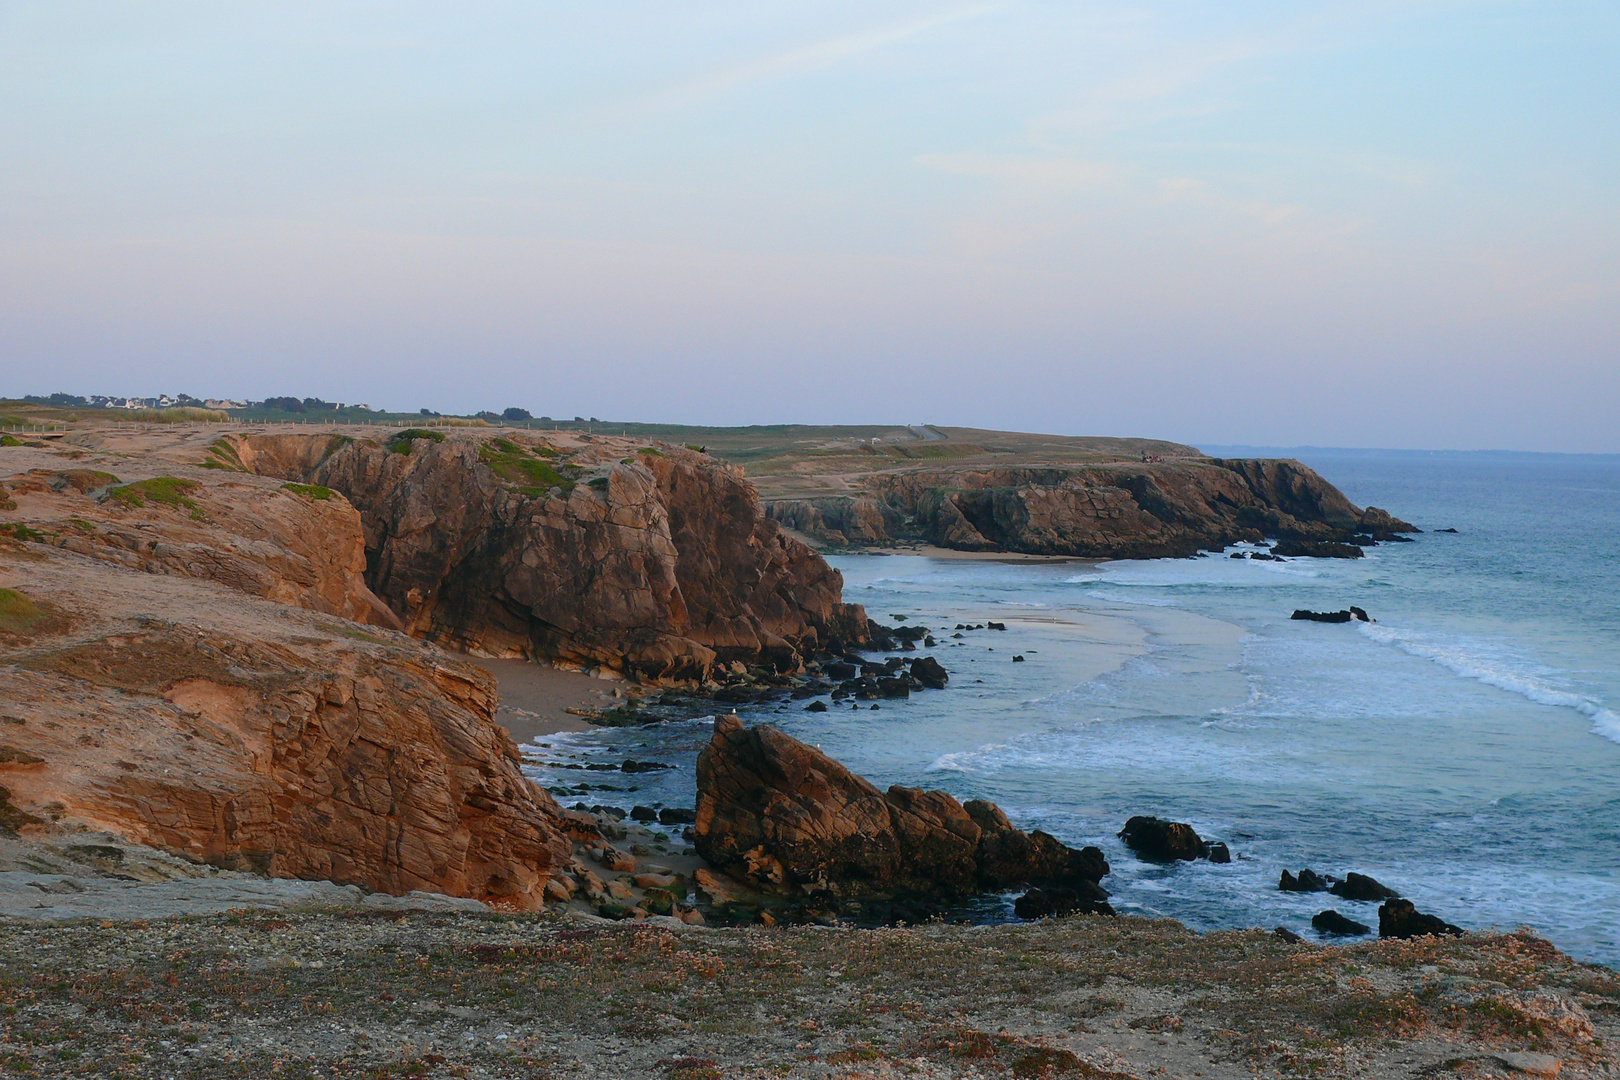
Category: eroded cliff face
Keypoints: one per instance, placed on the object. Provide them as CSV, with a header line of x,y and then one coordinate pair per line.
x,y
655,561
261,736
1116,510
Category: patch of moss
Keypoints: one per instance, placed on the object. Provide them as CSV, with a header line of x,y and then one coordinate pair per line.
x,y
21,614
10,440
313,491
600,483
164,490
82,525
533,477
23,532
651,450
224,456
401,443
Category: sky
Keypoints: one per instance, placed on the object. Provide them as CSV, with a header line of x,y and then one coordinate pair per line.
x,y
1375,223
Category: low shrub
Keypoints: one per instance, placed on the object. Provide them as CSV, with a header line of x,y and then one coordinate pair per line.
x,y
163,490
401,443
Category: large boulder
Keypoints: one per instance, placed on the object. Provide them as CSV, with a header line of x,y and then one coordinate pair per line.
x,y
1361,887
1156,840
786,818
1402,919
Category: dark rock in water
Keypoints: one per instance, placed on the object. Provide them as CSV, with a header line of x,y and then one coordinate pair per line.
x,y
1446,530
1056,902
911,633
1217,852
785,818
1307,881
1317,549
1353,614
1018,659
631,765
996,625
816,706
675,815
1320,616
930,672
1156,840
840,669
643,813
1331,922
1236,555
1288,935
893,688
1401,919
1361,887
929,642
1384,526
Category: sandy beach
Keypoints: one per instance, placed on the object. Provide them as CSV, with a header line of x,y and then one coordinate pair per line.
x,y
535,697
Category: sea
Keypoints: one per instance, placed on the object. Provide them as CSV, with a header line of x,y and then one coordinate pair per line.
x,y
1463,748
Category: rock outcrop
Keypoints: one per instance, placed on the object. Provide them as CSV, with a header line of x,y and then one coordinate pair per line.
x,y
657,562
1402,919
784,817
1115,510
261,737
1156,840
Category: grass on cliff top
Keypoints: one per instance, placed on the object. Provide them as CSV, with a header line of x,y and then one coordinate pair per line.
x,y
163,490
521,469
311,491
401,443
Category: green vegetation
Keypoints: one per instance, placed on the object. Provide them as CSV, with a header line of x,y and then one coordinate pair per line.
x,y
651,451
223,455
23,532
600,483
10,440
164,490
401,443
312,491
180,414
20,614
516,466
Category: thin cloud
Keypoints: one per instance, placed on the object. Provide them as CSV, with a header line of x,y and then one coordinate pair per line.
x,y
793,63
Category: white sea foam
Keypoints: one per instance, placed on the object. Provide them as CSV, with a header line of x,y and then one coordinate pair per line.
x,y
1504,674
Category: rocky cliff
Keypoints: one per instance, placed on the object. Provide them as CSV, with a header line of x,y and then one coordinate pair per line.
x,y
657,561
1108,510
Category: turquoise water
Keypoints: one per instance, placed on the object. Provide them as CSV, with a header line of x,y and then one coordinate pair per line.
x,y
1464,749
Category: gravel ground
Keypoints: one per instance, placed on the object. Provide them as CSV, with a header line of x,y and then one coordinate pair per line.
x,y
406,994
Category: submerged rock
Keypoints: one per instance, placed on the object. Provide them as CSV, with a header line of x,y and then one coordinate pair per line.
x,y
1401,919
1317,549
783,817
1352,614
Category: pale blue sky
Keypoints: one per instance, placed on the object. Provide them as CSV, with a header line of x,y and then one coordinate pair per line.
x,y
1374,223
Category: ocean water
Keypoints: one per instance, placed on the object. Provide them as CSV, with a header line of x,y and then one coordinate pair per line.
x,y
1463,749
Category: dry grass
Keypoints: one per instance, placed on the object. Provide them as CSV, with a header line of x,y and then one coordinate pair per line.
x,y
370,995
